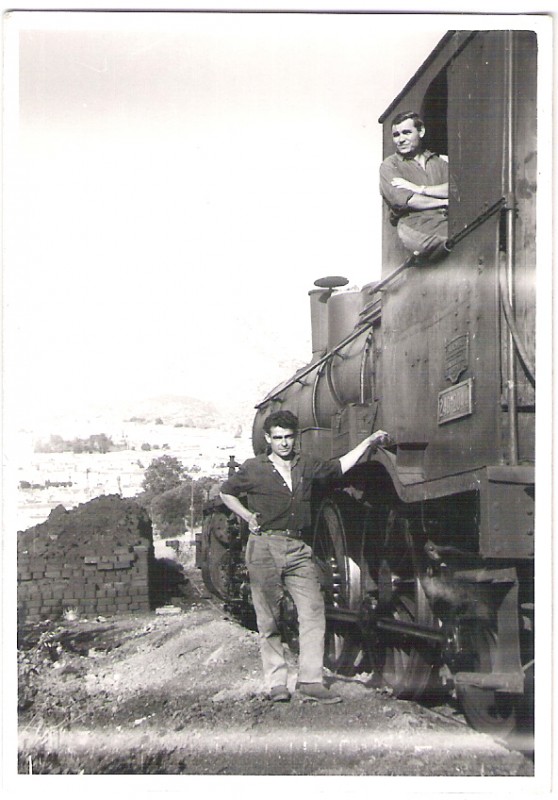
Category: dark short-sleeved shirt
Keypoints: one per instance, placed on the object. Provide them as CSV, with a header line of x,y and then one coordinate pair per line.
x,y
268,495
436,170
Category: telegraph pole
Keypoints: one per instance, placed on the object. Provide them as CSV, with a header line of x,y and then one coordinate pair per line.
x,y
192,507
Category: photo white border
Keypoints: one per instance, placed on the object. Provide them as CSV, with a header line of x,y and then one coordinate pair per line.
x,y
540,786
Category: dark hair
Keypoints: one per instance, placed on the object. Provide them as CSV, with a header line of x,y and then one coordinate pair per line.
x,y
281,419
403,115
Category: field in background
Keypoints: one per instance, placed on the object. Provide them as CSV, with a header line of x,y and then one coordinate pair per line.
x,y
202,452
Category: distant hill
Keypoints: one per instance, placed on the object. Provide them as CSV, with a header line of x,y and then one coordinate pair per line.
x,y
232,408
171,410
190,412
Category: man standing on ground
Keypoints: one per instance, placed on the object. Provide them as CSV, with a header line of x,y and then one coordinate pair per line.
x,y
414,184
278,489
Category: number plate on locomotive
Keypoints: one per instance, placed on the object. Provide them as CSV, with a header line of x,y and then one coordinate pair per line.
x,y
455,402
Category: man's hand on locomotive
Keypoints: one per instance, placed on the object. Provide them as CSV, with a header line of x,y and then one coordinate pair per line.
x,y
380,439
376,439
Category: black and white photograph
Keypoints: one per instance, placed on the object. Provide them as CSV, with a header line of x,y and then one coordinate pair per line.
x,y
275,282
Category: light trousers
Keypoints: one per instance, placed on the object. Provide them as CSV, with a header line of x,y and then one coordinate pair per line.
x,y
276,563
427,238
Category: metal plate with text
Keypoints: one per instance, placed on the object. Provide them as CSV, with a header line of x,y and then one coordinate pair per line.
x,y
455,402
457,357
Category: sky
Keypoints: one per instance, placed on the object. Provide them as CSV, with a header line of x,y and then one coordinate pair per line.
x,y
176,183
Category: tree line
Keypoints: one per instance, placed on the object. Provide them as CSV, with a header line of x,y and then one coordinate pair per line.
x,y
96,443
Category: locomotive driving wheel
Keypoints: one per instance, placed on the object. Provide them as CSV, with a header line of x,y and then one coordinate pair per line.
x,y
500,640
406,662
344,650
486,709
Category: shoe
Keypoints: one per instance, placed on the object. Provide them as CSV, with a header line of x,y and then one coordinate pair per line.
x,y
279,694
318,693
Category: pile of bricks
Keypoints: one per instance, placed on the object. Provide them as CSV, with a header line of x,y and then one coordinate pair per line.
x,y
97,559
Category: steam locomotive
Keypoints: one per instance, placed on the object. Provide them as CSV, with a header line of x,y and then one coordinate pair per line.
x,y
426,547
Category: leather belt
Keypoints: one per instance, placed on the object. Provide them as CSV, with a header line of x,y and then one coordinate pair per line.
x,y
281,532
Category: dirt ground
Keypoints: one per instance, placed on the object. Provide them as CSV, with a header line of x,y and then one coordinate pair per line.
x,y
180,693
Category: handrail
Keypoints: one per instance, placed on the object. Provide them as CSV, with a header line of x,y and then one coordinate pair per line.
x,y
513,432
409,262
311,367
449,245
471,226
508,314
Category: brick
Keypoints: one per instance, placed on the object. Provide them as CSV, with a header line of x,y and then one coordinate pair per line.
x,y
105,567
90,559
37,575
24,576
